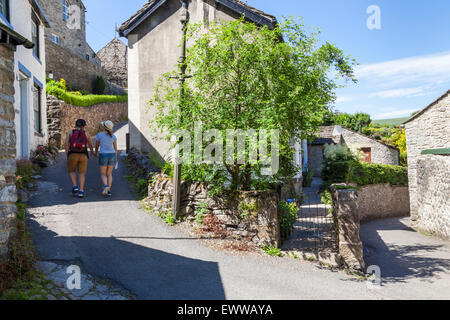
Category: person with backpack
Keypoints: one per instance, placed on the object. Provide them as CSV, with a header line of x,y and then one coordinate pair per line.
x,y
77,143
107,158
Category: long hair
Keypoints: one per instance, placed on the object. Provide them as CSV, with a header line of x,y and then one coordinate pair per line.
x,y
108,132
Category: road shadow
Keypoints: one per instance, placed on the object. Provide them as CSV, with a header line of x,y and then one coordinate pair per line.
x,y
416,258
147,273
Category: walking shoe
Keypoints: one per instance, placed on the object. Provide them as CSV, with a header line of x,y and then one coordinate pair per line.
x,y
109,193
80,194
75,190
105,190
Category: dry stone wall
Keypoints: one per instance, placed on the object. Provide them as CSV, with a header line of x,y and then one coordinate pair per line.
x,y
78,73
433,194
61,117
8,193
249,215
430,130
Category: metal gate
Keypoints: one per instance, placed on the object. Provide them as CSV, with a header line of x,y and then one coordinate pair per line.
x,y
314,229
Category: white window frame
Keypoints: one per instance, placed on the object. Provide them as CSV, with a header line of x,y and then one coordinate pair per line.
x,y
55,38
66,5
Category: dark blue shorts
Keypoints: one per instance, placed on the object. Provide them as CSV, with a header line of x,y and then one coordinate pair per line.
x,y
106,159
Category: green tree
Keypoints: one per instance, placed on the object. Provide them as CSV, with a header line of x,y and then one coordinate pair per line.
x,y
249,77
346,120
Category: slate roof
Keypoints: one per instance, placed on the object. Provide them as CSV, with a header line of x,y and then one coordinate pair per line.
x,y
238,6
427,107
326,136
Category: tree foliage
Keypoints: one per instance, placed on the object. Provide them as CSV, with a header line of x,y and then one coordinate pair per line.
x,y
247,77
346,120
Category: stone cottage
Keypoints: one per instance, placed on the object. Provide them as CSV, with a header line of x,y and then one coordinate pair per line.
x,y
428,148
154,34
68,54
26,18
369,149
9,42
114,58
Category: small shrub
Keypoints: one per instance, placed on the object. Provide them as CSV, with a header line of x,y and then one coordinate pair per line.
x,y
337,162
288,216
99,85
142,187
200,213
272,251
325,197
307,178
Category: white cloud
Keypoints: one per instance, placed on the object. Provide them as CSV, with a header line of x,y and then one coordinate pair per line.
x,y
427,69
401,92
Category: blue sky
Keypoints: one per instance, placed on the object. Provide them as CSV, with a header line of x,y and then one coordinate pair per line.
x,y
403,66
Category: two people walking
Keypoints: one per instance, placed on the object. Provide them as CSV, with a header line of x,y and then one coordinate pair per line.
x,y
76,146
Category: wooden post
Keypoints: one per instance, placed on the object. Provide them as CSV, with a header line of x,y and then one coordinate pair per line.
x,y
184,19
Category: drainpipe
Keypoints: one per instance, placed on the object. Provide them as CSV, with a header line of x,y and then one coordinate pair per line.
x,y
184,19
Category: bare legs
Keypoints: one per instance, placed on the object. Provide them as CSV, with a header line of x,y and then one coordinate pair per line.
x,y
81,179
106,175
103,175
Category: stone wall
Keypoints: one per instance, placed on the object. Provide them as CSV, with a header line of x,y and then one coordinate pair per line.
x,y
347,224
250,215
429,130
61,117
78,73
8,193
379,201
381,153
433,194
72,39
114,57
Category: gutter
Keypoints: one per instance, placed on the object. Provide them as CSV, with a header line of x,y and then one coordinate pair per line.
x,y
11,36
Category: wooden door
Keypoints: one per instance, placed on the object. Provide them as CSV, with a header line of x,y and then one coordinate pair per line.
x,y
366,155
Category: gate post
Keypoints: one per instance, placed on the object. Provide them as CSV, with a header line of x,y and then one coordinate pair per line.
x,y
346,217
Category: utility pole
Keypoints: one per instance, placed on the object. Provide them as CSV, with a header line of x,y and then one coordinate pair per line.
x,y
184,19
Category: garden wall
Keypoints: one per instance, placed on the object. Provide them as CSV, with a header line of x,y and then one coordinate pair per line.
x,y
61,117
380,201
8,194
250,215
351,207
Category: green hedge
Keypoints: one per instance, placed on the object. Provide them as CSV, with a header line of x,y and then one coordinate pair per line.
x,y
368,173
54,88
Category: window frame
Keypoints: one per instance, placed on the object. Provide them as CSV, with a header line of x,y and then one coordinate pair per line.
x,y
54,36
37,108
6,14
65,10
37,45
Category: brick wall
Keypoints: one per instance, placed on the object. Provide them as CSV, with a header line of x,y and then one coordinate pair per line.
x,y
61,117
8,194
430,130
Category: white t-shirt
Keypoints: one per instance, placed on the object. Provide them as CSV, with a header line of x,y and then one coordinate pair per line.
x,y
106,142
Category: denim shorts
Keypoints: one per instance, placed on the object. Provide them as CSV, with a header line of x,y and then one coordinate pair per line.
x,y
107,159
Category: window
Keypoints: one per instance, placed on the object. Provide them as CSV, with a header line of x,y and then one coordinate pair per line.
x,y
65,10
37,109
4,9
55,38
35,36
87,57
